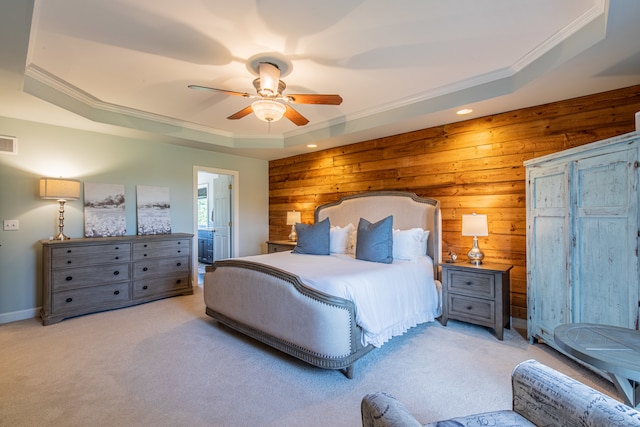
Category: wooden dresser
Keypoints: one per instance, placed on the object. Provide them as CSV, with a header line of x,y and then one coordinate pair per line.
x,y
82,276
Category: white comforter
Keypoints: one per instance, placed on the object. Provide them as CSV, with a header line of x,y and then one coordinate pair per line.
x,y
389,298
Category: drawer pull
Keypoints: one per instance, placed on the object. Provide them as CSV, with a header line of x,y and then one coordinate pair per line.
x,y
179,242
145,245
117,257
144,255
179,264
145,287
179,281
69,278
117,247
469,283
179,251
68,262
145,269
469,307
68,251
116,292
115,273
69,299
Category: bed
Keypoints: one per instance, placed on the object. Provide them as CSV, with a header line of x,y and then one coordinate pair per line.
x,y
329,310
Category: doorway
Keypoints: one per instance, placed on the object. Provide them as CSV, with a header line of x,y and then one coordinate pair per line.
x,y
215,217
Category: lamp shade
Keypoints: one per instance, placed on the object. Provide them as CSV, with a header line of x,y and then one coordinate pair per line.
x,y
474,225
293,218
268,111
59,189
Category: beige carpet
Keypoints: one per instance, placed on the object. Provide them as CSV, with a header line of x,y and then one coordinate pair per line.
x,y
168,364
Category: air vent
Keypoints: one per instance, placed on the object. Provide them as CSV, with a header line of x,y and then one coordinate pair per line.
x,y
8,145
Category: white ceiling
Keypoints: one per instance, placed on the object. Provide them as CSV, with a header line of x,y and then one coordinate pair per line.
x,y
123,66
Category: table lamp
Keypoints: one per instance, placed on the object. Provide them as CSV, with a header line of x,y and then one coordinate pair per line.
x,y
61,190
475,225
293,218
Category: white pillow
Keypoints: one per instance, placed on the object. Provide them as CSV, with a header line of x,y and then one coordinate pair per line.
x,y
407,244
425,238
341,239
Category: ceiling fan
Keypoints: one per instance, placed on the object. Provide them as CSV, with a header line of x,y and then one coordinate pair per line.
x,y
269,88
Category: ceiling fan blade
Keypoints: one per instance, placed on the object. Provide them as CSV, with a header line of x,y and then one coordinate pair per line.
x,y
269,79
242,113
302,98
295,117
228,92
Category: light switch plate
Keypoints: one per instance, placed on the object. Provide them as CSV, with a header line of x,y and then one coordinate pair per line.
x,y
11,225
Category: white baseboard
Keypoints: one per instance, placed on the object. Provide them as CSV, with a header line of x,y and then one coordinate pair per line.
x,y
14,316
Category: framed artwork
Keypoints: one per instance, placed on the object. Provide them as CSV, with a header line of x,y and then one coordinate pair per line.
x,y
104,210
153,210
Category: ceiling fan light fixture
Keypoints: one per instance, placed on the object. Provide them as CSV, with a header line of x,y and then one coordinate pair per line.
x,y
269,79
268,111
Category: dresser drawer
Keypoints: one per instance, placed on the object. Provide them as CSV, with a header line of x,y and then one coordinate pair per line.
x,y
160,267
475,284
88,299
471,309
70,278
152,287
80,256
162,249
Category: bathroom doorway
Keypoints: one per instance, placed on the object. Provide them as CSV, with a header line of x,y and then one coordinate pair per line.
x,y
215,216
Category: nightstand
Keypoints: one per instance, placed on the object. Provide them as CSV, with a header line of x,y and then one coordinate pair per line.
x,y
280,245
477,294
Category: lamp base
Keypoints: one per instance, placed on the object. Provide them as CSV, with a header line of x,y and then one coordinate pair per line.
x,y
293,236
475,254
61,236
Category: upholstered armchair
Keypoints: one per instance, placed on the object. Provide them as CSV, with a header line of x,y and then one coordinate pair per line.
x,y
541,397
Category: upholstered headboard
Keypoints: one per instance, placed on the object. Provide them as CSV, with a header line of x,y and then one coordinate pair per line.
x,y
408,211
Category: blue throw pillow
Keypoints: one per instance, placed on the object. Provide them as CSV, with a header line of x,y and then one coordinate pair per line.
x,y
375,241
313,239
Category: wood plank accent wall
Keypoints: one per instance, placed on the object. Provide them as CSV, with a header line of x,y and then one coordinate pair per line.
x,y
474,165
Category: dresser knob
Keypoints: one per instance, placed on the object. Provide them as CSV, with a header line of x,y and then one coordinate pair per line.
x,y
69,278
179,281
68,251
179,264
69,299
116,292
115,273
145,287
145,269
179,251
469,283
117,257
117,247
144,255
469,307
145,245
68,262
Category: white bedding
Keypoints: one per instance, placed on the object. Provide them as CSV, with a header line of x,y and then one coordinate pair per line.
x,y
389,298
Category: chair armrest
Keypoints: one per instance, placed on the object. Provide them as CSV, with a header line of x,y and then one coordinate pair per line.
x,y
383,410
545,396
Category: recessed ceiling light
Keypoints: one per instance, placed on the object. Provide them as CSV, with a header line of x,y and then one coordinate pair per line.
x,y
312,145
464,111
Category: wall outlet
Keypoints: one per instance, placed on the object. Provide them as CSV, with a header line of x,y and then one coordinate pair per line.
x,y
11,225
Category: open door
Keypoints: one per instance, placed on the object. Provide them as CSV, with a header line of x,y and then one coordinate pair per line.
x,y
222,222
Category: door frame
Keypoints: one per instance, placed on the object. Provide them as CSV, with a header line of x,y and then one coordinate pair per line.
x,y
235,215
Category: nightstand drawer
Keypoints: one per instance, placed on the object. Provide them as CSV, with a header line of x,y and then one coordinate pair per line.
x,y
280,246
471,309
475,284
